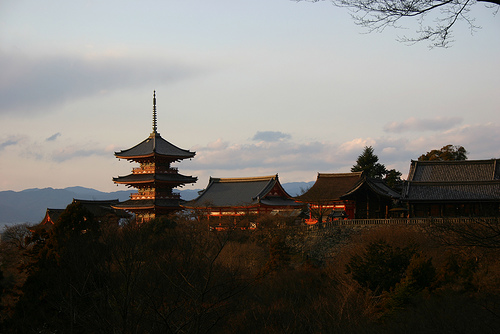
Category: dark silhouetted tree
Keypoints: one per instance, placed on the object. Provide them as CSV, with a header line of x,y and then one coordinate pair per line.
x,y
381,266
13,250
64,276
279,255
419,275
448,152
393,179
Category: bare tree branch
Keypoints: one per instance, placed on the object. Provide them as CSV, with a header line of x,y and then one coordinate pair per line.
x,y
478,232
376,15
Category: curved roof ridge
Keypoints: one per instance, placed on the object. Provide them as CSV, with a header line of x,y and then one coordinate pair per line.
x,y
270,184
452,162
339,174
243,179
451,183
377,185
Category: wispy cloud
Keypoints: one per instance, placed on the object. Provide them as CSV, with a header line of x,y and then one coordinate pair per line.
x,y
6,143
271,136
76,151
11,141
32,84
53,137
429,124
276,155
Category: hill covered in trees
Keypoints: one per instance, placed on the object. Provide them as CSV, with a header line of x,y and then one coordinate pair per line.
x,y
175,275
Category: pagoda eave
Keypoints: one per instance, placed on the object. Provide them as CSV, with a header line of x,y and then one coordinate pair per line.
x,y
155,178
117,154
139,158
153,182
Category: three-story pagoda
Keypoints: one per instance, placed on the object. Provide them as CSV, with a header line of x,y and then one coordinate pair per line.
x,y
155,177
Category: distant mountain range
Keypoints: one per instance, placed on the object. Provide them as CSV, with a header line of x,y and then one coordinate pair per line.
x,y
29,206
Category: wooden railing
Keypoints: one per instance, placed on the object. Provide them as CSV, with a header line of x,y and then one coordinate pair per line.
x,y
398,221
153,169
152,195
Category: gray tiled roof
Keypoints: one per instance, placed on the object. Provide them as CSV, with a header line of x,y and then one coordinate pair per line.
x,y
152,145
468,180
234,192
376,185
330,187
455,171
480,191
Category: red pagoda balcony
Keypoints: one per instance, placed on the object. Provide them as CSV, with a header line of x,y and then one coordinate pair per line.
x,y
153,169
153,195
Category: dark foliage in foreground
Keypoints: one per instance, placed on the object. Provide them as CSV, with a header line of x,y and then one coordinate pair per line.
x,y
175,276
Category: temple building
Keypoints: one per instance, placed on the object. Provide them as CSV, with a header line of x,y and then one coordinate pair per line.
x,y
155,178
468,188
244,196
51,217
102,210
347,195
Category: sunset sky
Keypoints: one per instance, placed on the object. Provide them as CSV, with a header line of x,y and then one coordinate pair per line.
x,y
255,87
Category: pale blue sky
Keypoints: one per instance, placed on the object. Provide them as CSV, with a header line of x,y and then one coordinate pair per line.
x,y
254,87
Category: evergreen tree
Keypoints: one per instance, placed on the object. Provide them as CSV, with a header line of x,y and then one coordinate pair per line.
x,y
368,163
393,179
381,266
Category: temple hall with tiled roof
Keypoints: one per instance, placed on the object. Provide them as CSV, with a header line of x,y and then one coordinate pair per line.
x,y
242,196
467,188
351,193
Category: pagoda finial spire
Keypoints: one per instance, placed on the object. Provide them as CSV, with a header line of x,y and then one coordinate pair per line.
x,y
154,113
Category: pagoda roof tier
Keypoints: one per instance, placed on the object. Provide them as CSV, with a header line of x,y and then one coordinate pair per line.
x,y
155,146
143,204
154,177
